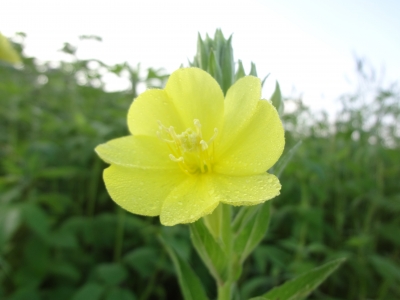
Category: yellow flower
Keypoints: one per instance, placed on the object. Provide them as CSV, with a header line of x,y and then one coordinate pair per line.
x,y
191,149
7,53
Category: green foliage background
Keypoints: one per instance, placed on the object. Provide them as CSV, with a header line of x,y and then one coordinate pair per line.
x,y
61,237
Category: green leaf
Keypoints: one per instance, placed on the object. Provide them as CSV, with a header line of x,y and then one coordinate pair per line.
x,y
36,219
285,159
228,65
253,232
265,78
10,219
276,99
112,274
90,291
240,71
253,70
209,250
244,215
63,239
214,68
386,268
143,260
189,283
202,55
301,286
219,225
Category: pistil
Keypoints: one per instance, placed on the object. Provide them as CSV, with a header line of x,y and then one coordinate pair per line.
x,y
192,153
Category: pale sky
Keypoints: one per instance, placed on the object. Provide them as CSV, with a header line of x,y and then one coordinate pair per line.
x,y
308,46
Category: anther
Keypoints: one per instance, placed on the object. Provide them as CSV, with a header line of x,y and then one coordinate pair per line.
x,y
204,145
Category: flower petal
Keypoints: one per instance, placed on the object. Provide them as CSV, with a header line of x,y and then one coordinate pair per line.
x,y
140,191
240,104
143,152
257,147
196,95
246,190
148,109
189,201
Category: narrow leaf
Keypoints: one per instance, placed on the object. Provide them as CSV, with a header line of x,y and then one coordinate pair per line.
x,y
265,78
253,70
214,68
202,55
209,250
219,226
303,285
189,283
240,71
252,234
228,65
244,215
276,99
386,268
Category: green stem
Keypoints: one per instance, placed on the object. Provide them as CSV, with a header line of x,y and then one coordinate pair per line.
x,y
225,291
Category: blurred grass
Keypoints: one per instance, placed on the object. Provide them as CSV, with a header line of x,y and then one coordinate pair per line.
x,y
61,237
340,197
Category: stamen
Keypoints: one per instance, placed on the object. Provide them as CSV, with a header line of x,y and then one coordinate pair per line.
x,y
173,158
204,145
171,130
198,128
192,153
197,123
214,136
161,126
159,135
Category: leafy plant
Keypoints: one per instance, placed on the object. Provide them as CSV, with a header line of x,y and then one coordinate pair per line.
x,y
61,237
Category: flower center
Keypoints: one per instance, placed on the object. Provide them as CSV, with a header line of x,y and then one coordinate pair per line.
x,y
192,153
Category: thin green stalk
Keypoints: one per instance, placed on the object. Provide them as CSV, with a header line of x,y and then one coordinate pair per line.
x,y
149,287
